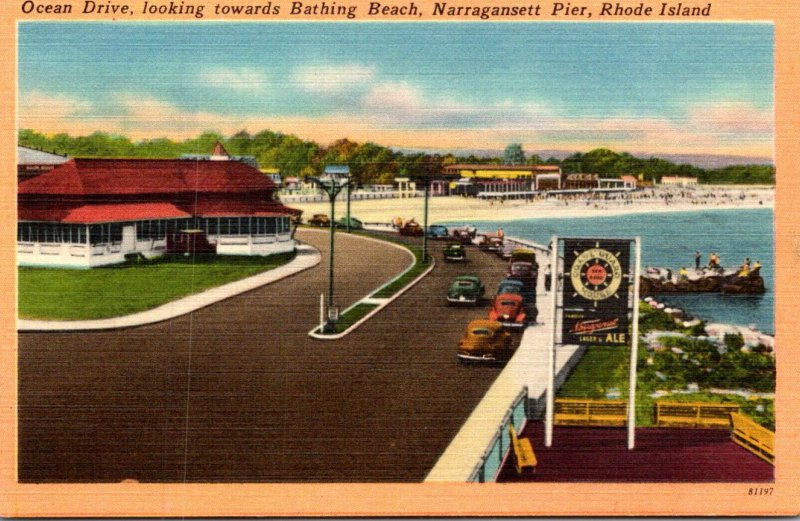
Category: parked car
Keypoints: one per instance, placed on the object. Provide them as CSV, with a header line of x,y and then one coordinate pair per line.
x,y
505,251
411,229
486,341
508,309
517,287
319,219
355,224
437,231
464,235
488,241
524,254
455,253
524,271
465,289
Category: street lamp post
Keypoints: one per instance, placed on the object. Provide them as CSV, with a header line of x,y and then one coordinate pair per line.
x,y
331,186
430,167
425,224
349,188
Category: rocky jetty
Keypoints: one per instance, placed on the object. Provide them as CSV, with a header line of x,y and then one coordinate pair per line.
x,y
730,282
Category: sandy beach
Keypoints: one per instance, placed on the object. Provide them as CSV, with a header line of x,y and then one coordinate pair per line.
x,y
456,208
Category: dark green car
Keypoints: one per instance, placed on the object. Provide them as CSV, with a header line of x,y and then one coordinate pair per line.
x,y
465,289
355,224
455,253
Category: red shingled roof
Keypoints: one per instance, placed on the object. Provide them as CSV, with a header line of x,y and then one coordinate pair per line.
x,y
103,213
228,208
146,176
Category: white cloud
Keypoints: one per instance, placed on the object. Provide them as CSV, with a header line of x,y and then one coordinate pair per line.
x,y
403,115
332,79
241,79
394,97
40,109
732,117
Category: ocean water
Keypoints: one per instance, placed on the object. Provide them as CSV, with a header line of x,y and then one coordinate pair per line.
x,y
670,240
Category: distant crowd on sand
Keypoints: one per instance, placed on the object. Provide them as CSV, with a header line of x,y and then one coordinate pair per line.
x,y
661,195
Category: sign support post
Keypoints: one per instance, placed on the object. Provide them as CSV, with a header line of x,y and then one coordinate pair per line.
x,y
634,348
551,351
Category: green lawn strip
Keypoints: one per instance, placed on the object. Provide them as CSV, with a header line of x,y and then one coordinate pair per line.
x,y
603,371
353,315
69,294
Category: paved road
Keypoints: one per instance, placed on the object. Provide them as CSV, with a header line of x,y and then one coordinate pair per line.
x,y
237,392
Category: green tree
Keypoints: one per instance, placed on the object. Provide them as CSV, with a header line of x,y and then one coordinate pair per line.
x,y
513,155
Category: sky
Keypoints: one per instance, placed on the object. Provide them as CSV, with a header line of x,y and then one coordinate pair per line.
x,y
667,88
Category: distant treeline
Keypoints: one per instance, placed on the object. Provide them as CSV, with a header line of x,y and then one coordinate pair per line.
x,y
371,163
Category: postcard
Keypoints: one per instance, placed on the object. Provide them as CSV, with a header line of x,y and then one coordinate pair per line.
x,y
361,258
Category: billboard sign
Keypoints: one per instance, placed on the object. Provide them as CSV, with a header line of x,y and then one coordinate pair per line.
x,y
596,281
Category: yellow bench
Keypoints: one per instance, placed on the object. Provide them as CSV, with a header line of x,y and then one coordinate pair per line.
x,y
753,437
524,457
694,414
576,411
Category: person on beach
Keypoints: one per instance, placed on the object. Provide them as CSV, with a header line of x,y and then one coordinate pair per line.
x,y
697,258
713,261
683,274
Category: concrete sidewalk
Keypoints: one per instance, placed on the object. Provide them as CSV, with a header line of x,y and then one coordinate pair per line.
x,y
307,257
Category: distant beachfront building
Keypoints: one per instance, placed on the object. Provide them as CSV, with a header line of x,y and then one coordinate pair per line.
x,y
678,180
440,187
611,184
405,187
95,212
581,182
547,182
501,180
274,175
32,162
629,182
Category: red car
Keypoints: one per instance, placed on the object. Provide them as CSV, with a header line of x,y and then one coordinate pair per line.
x,y
411,229
508,309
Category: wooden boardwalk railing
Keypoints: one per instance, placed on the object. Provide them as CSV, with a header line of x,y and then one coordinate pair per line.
x,y
694,414
578,411
753,437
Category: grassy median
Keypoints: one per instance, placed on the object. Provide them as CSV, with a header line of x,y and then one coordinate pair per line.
x,y
69,294
360,310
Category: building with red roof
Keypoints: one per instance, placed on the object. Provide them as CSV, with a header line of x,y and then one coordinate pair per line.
x,y
95,212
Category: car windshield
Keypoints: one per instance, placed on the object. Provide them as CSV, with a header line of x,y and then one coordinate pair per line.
x,y
481,332
508,303
464,284
519,269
